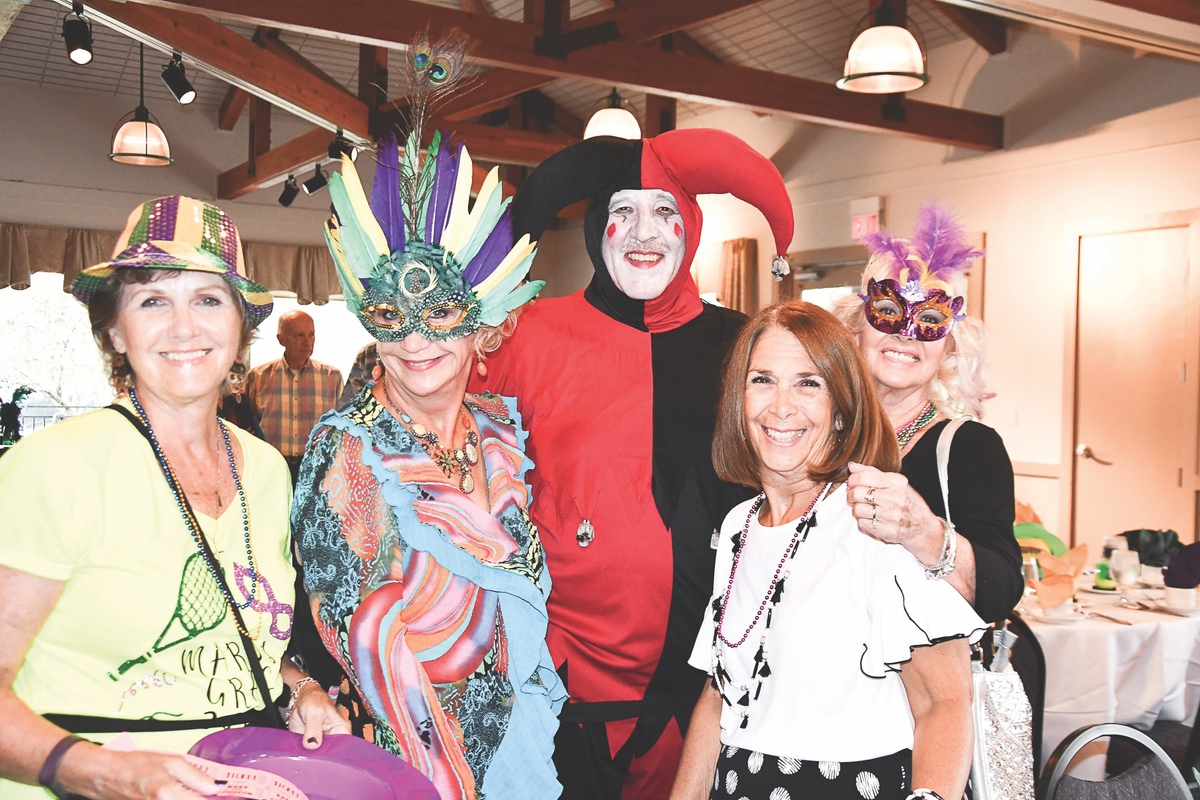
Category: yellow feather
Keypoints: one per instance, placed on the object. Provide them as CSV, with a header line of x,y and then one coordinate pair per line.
x,y
362,208
458,230
511,261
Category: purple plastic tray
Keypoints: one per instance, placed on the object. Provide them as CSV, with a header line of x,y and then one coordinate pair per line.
x,y
342,768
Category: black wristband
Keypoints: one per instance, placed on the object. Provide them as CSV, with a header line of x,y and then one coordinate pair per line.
x,y
50,767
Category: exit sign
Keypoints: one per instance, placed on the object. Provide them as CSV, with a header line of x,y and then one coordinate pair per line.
x,y
864,224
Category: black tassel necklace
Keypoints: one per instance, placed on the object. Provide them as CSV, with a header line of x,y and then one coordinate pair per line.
x,y
762,669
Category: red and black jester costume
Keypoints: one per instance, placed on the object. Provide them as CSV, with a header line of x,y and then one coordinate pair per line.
x,y
619,396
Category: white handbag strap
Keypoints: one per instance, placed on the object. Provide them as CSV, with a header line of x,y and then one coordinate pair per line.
x,y
943,461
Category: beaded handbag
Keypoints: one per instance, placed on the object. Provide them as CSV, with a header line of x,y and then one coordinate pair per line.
x,y
1002,764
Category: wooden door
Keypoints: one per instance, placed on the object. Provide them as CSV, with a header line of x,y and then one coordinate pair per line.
x,y
1135,401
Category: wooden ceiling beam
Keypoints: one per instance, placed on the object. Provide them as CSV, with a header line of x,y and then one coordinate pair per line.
x,y
273,164
510,44
682,42
1182,10
238,61
643,20
268,38
989,32
231,108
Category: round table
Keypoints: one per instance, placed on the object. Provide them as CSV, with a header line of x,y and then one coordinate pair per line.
x,y
1101,671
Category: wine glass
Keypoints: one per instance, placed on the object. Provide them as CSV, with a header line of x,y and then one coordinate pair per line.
x,y
1126,571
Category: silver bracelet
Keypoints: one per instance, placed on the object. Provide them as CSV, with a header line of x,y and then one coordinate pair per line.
x,y
945,562
924,794
291,706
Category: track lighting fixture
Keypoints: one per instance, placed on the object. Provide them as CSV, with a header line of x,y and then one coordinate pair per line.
x,y
316,183
77,35
174,76
341,145
290,190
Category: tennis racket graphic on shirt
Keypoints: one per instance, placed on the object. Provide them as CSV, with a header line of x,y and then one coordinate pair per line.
x,y
200,607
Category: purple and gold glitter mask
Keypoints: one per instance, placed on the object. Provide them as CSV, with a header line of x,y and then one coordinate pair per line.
x,y
910,310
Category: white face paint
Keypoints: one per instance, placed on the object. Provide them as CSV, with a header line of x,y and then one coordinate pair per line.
x,y
644,241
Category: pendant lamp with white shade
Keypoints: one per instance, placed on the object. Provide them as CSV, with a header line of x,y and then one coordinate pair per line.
x,y
884,58
614,118
138,138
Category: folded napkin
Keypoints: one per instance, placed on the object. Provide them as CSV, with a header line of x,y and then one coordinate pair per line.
x,y
1184,570
1057,585
1154,548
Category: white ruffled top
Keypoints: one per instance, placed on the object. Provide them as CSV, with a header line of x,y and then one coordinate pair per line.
x,y
852,610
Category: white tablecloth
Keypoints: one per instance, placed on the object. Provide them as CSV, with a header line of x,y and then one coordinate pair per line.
x,y
1100,671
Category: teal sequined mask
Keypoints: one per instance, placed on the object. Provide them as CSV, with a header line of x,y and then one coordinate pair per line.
x,y
421,292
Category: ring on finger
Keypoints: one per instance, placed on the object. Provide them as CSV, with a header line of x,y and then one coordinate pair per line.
x,y
874,523
874,514
871,495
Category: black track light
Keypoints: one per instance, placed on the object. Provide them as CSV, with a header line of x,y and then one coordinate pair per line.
x,y
316,183
290,190
341,146
174,76
77,34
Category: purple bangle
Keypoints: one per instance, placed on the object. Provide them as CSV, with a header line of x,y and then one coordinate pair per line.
x,y
50,767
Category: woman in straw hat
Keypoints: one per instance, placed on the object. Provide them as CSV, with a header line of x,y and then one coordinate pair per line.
x,y
145,571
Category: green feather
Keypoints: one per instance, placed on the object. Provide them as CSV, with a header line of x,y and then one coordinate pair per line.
x,y
361,253
352,288
495,314
424,188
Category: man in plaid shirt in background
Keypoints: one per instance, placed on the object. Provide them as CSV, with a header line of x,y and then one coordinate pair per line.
x,y
293,392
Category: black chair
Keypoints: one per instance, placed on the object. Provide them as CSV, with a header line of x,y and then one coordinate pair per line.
x,y
1154,776
1030,663
1179,740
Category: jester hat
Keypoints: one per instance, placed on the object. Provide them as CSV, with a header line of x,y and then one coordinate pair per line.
x,y
418,256
915,298
685,163
179,233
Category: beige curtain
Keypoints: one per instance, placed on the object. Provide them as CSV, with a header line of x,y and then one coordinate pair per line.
x,y
306,270
14,256
739,275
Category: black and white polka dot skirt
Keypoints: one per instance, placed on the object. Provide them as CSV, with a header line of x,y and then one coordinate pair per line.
x,y
748,775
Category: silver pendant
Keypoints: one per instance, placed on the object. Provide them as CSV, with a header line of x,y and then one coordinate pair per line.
x,y
585,533
716,538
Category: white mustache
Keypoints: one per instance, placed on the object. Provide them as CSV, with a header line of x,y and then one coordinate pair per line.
x,y
651,246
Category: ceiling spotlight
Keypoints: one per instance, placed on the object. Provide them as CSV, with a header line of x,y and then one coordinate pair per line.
x,y
341,146
174,76
316,183
77,34
290,190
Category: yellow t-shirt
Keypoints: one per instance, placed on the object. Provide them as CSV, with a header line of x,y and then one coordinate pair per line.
x,y
141,629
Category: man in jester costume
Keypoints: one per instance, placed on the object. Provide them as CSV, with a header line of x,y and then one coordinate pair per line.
x,y
618,384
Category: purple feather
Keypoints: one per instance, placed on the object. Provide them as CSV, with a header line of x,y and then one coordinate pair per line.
x,y
385,194
884,243
940,241
444,179
493,251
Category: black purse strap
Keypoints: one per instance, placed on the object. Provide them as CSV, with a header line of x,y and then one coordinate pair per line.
x,y
260,678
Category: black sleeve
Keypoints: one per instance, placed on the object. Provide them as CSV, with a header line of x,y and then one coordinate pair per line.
x,y
982,508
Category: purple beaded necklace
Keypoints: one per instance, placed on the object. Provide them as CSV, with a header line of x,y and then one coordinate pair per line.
x,y
774,594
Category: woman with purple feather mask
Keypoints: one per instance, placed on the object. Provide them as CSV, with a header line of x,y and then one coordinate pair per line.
x,y
927,358
425,575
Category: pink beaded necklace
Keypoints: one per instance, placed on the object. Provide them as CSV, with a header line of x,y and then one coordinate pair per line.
x,y
801,528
